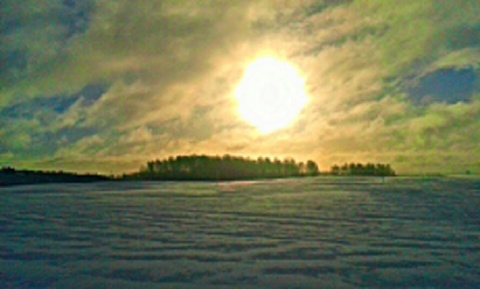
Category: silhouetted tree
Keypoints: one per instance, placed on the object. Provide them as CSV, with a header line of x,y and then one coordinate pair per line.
x,y
312,168
335,170
359,169
227,167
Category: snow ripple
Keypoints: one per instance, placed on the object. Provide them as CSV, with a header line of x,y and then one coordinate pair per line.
x,y
295,233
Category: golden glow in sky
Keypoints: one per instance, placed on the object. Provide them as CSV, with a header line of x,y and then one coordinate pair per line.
x,y
270,94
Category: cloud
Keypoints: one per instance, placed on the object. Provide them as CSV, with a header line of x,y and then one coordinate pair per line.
x,y
463,58
167,70
145,39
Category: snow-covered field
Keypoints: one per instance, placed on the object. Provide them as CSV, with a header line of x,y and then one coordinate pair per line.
x,y
296,233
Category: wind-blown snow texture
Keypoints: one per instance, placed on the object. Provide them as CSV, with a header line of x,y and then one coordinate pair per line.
x,y
295,233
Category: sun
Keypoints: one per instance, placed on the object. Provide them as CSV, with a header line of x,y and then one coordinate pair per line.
x,y
271,94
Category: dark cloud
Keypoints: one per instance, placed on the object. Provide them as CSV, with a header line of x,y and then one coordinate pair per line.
x,y
57,103
36,33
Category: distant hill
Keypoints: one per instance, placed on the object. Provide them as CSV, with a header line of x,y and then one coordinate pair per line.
x,y
10,176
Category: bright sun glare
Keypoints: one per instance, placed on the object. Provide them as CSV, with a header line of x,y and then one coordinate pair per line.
x,y
270,94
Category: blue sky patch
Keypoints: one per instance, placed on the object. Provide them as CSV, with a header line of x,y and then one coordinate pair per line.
x,y
445,85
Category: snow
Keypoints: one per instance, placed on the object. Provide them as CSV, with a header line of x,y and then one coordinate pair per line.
x,y
292,233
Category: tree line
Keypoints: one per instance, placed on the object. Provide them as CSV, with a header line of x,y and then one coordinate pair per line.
x,y
10,176
227,167
202,168
358,169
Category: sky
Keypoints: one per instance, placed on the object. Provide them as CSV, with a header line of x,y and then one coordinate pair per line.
x,y
104,86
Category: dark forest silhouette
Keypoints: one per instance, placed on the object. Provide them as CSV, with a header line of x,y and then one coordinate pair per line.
x,y
359,169
200,168
10,176
227,167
